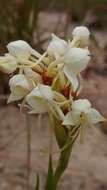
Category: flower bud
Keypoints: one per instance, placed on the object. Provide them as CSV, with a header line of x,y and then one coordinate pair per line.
x,y
80,36
56,47
8,64
81,32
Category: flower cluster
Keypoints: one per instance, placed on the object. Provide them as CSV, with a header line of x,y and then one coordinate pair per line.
x,y
51,82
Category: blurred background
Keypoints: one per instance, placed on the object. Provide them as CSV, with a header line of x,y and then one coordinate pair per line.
x,y
34,21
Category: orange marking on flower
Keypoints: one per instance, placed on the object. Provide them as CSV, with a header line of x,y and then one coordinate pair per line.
x,y
73,94
65,111
66,91
47,80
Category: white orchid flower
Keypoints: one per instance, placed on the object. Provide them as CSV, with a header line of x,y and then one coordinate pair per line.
x,y
76,60
41,100
39,97
21,49
82,113
80,36
57,47
8,64
20,86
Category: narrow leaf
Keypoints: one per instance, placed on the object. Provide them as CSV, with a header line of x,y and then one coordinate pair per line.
x,y
50,185
37,183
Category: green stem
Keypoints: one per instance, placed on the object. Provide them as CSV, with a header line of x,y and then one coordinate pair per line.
x,y
61,165
50,176
64,157
50,184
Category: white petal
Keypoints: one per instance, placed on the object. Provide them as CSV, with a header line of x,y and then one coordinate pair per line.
x,y
19,48
82,105
77,59
19,86
72,118
56,38
45,91
42,91
94,116
8,64
17,94
38,105
40,98
71,77
57,46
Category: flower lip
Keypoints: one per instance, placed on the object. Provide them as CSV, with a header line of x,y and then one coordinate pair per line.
x,y
77,59
76,55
